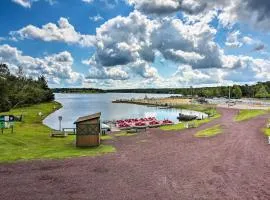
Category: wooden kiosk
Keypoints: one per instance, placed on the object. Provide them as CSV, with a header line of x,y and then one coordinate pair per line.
x,y
88,130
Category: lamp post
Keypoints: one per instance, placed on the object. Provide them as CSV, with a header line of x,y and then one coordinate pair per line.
x,y
60,120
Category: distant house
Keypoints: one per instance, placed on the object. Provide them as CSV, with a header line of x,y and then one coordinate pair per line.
x,y
88,130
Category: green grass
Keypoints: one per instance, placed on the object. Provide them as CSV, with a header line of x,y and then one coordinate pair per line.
x,y
198,123
106,137
248,114
210,132
31,139
267,130
209,109
124,134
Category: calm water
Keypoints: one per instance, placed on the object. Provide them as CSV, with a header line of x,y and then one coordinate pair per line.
x,y
76,105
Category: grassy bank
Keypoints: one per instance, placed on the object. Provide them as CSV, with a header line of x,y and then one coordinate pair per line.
x,y
31,139
267,129
207,109
210,132
248,114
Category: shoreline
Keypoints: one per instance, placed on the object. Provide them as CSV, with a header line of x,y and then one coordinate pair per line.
x,y
188,103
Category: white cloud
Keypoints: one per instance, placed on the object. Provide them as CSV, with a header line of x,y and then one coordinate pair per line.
x,y
123,40
24,3
132,43
254,12
233,40
96,18
144,70
126,47
56,67
179,42
28,3
187,76
157,6
61,32
248,40
88,1
114,73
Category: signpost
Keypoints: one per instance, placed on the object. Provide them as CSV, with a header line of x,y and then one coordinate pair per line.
x,y
6,121
2,126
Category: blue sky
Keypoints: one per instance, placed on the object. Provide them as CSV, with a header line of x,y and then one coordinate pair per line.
x,y
137,43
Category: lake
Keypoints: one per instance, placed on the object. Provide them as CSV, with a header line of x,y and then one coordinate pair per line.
x,y
77,105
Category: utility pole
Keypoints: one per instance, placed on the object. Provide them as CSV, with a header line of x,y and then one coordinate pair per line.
x,y
191,94
60,120
229,93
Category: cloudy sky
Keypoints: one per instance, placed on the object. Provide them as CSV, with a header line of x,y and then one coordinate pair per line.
x,y
137,43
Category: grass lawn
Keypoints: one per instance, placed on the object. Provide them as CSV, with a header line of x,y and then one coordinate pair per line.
x,y
124,134
31,139
210,132
267,130
197,107
106,137
248,114
198,123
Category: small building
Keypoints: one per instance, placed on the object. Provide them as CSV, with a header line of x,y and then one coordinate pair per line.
x,y
88,130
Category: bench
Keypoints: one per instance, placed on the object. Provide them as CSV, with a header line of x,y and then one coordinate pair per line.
x,y
56,133
69,131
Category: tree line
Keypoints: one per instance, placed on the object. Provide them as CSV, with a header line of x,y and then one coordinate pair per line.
x,y
18,90
259,90
77,90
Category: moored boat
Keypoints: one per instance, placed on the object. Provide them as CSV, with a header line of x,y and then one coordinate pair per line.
x,y
183,117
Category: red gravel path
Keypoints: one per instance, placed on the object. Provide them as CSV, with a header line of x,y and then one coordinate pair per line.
x,y
155,165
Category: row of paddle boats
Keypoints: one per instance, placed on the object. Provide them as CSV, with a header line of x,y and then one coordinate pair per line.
x,y
150,122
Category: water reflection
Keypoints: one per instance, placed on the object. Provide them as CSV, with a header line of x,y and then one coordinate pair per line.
x,y
76,105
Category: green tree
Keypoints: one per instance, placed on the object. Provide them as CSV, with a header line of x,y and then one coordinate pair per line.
x,y
18,90
262,92
4,71
236,92
4,103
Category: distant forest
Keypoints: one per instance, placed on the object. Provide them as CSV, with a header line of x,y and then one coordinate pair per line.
x,y
259,90
18,90
77,90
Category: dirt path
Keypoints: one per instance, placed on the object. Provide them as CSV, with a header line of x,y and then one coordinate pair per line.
x,y
155,165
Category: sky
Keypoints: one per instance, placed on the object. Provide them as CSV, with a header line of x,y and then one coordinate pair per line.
x,y
137,43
